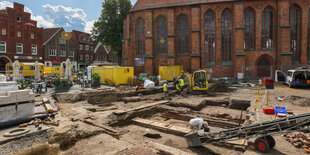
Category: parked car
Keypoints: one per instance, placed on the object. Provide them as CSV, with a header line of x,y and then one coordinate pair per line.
x,y
294,77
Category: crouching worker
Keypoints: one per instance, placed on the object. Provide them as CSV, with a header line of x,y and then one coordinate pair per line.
x,y
165,89
199,124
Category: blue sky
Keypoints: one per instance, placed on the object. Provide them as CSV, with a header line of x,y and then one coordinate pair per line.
x,y
70,14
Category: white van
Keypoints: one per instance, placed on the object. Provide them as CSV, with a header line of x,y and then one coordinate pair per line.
x,y
295,77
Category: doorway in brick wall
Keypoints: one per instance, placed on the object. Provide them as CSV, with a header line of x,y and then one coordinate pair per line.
x,y
264,66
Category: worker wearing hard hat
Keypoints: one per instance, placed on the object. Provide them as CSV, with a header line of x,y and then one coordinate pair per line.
x,y
177,85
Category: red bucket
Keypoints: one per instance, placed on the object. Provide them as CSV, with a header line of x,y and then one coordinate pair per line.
x,y
269,111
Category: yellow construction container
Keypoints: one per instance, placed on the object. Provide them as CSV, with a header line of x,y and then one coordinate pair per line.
x,y
169,72
26,68
58,71
114,75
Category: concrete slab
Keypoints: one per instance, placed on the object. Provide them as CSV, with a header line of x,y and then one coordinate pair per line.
x,y
16,96
13,112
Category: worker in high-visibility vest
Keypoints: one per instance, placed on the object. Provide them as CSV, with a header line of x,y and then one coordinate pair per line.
x,y
177,86
181,83
165,89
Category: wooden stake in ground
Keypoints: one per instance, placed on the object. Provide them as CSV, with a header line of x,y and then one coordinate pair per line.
x,y
240,117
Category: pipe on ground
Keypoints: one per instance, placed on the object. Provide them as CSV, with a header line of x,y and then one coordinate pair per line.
x,y
23,120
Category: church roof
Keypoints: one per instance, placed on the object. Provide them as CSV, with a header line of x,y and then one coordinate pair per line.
x,y
152,4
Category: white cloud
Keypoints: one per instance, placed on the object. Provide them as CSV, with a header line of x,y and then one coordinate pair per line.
x,y
58,16
42,22
66,17
89,26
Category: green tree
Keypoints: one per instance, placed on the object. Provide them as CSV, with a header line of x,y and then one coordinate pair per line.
x,y
109,28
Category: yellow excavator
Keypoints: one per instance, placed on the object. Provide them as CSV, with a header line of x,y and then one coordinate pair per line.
x,y
197,82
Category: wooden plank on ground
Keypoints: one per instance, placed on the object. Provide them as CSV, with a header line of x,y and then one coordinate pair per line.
x,y
119,112
48,108
181,129
144,121
162,126
106,129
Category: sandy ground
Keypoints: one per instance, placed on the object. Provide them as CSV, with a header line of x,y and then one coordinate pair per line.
x,y
77,137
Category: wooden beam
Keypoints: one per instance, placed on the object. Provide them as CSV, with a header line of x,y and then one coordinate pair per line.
x,y
162,126
119,112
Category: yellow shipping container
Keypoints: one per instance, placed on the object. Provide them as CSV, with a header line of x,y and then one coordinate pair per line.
x,y
26,68
114,75
169,72
53,71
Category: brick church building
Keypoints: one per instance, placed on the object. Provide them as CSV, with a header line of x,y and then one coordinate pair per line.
x,y
225,35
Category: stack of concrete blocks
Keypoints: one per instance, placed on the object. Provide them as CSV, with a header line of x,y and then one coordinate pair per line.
x,y
15,104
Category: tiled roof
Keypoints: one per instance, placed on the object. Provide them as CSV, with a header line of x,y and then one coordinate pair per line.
x,y
49,33
76,34
151,4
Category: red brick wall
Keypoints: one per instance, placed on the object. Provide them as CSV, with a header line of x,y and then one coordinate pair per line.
x,y
8,21
196,15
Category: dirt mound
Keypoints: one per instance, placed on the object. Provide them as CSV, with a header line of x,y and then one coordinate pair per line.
x,y
298,100
218,87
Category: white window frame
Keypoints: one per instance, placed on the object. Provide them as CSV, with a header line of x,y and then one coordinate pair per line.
x,y
71,55
62,53
36,49
19,34
81,56
32,36
3,31
53,51
17,46
81,46
86,47
86,57
91,48
91,57
4,47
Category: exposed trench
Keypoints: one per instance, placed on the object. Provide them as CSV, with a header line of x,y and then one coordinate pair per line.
x,y
173,110
232,104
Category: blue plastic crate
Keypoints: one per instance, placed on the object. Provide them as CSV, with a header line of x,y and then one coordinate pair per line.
x,y
281,110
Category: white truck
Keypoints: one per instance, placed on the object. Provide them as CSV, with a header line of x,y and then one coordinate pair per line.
x,y
294,77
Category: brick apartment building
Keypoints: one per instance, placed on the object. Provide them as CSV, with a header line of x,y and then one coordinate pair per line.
x,y
225,35
57,49
85,51
20,38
